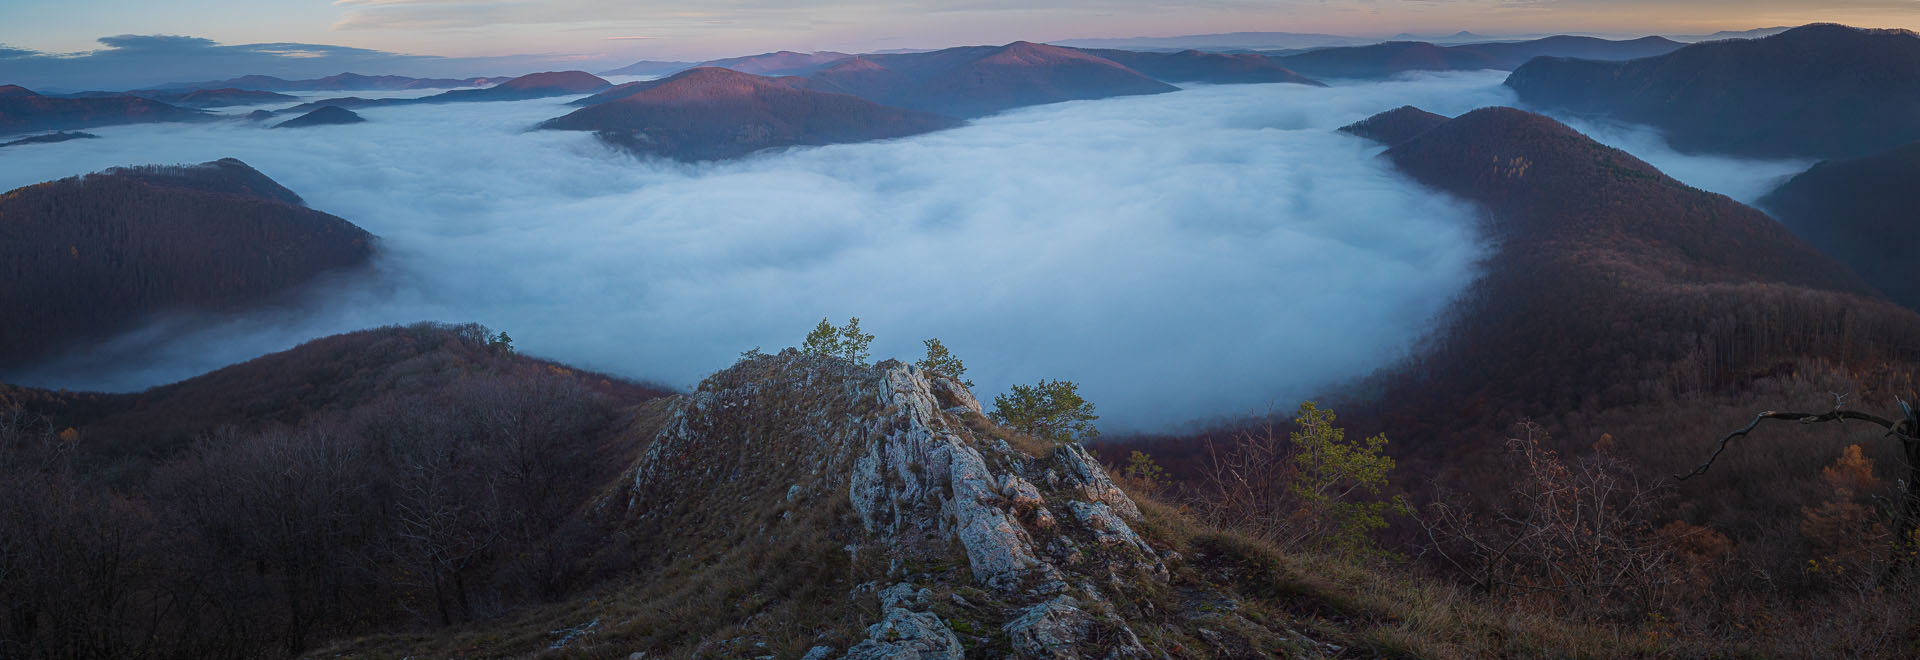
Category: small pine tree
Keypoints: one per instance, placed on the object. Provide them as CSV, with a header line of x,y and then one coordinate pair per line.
x,y
824,340
1052,410
940,361
500,344
853,343
1333,472
1143,471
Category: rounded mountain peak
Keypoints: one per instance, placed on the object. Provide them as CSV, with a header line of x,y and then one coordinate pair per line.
x,y
569,81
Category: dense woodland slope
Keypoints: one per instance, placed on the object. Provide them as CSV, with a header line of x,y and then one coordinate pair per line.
x,y
711,113
1862,211
96,254
360,482
1591,238
1624,323
1818,91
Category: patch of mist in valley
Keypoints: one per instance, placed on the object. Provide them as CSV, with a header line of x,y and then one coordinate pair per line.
x,y
1206,253
1746,180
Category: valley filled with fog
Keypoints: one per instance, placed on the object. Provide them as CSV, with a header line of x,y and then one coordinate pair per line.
x,y
1194,255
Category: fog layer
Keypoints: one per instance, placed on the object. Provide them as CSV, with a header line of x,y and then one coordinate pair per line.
x,y
1206,253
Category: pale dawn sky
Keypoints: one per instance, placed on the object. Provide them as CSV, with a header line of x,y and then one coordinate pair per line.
x,y
684,29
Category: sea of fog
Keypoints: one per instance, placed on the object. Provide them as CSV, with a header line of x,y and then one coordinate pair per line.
x,y
1207,253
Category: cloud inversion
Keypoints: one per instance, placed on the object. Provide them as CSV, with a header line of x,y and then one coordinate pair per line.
x,y
1205,253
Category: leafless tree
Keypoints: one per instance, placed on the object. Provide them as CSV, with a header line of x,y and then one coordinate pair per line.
x,y
1575,531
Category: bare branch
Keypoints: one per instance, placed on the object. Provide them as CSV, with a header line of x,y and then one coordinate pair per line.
x,y
1836,415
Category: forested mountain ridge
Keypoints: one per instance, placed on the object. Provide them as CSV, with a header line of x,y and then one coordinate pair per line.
x,y
23,111
96,254
710,113
1589,238
1859,210
1816,91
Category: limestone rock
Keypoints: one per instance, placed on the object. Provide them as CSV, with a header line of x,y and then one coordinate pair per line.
x,y
1108,528
1093,480
905,635
1053,629
954,396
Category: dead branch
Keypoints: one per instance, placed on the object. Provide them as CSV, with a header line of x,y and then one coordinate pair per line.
x,y
1837,415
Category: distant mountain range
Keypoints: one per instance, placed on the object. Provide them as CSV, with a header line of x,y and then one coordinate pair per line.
x,y
23,111
344,82
217,98
711,113
1228,41
972,81
780,63
980,80
96,254
197,98
1272,41
530,86
1757,33
1387,59
1204,67
861,74
1818,91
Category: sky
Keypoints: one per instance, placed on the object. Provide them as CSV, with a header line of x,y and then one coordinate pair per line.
x,y
707,29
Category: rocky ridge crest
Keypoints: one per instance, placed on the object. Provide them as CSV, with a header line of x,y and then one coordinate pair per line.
x,y
902,464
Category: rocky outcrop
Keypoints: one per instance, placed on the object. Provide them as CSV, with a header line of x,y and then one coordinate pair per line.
x,y
1048,539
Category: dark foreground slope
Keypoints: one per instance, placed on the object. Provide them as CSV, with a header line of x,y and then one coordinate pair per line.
x,y
23,111
378,480
1864,212
94,255
798,506
710,113
324,377
973,81
1819,91
1622,324
426,492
